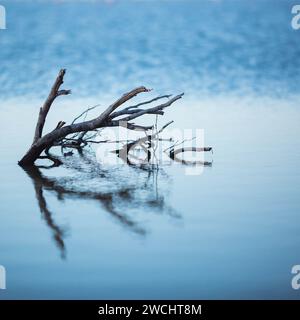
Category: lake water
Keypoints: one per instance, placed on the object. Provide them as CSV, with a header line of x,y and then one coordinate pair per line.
x,y
111,231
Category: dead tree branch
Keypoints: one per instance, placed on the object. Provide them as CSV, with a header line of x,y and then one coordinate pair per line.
x,y
105,119
173,155
145,143
54,93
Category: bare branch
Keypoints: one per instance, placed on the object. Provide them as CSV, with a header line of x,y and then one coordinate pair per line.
x,y
153,110
124,151
105,119
54,93
126,111
128,125
122,100
132,126
173,155
149,101
165,126
85,112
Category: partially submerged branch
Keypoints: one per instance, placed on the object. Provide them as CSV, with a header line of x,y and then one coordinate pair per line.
x,y
173,154
148,142
106,119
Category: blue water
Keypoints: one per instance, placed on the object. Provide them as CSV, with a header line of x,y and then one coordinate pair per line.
x,y
214,46
97,231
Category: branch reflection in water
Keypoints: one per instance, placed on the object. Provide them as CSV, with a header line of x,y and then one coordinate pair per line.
x,y
120,190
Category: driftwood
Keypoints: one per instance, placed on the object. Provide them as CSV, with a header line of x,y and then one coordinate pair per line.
x,y
108,118
173,155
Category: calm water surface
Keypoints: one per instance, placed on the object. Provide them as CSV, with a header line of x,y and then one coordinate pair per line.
x,y
98,231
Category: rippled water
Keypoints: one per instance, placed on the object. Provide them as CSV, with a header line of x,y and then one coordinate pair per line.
x,y
214,46
95,230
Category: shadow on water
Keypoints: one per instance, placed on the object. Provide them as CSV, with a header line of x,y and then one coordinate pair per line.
x,y
120,191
